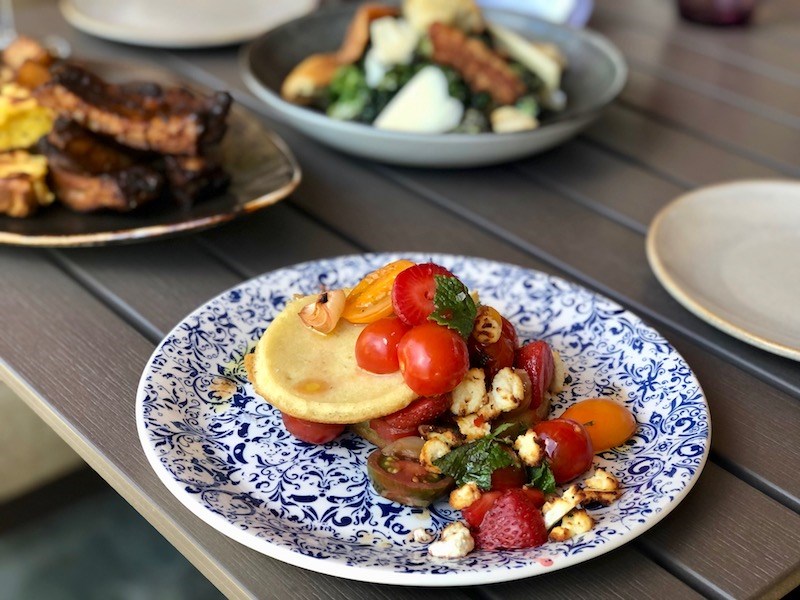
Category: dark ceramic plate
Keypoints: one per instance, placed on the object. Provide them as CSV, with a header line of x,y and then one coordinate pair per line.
x,y
595,76
263,171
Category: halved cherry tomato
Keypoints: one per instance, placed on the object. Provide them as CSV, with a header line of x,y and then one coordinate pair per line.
x,y
376,346
537,360
512,476
405,481
607,422
536,495
474,513
433,359
509,477
413,292
568,446
309,431
494,357
371,299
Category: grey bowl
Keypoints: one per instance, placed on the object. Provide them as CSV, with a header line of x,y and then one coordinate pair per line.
x,y
596,74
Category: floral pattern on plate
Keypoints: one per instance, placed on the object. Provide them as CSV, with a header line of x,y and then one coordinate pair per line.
x,y
223,452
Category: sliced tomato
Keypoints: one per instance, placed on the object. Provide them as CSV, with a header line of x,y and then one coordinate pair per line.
x,y
608,423
568,446
474,513
371,299
405,481
309,431
537,360
494,357
536,495
413,292
509,477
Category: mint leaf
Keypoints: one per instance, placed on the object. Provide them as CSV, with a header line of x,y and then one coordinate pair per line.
x,y
542,478
476,461
453,306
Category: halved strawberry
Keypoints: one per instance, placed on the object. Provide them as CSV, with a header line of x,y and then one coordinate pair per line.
x,y
421,410
513,521
474,513
537,360
413,292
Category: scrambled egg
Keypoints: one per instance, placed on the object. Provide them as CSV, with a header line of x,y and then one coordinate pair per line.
x,y
22,120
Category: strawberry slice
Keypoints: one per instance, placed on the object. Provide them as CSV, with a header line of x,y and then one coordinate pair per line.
x,y
537,360
513,521
422,410
413,292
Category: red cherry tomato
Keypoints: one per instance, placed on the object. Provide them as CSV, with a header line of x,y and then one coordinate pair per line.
x,y
413,291
568,446
474,513
376,347
494,356
433,359
537,360
311,432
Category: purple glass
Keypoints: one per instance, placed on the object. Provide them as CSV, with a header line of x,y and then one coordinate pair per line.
x,y
717,12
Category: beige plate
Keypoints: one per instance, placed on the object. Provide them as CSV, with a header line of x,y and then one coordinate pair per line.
x,y
263,171
730,253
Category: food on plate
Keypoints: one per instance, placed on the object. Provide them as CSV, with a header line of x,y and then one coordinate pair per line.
x,y
434,67
102,146
410,360
145,116
90,173
22,183
22,119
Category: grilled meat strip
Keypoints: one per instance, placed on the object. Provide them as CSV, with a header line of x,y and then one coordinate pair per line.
x,y
145,116
479,65
90,173
191,178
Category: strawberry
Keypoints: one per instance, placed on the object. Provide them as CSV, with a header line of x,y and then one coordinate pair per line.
x,y
537,360
413,292
513,521
422,410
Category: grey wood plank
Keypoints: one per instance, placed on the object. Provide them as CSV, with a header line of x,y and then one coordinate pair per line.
x,y
730,84
755,137
767,557
642,579
726,44
683,158
81,377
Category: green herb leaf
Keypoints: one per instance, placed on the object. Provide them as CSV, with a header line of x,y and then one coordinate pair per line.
x,y
476,461
542,478
453,306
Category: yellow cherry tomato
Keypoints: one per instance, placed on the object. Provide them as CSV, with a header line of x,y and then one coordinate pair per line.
x,y
608,422
371,299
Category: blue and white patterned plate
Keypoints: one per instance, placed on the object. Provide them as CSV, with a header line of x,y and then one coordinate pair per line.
x,y
222,451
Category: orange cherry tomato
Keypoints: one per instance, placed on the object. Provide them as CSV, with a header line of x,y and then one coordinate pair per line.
x,y
607,422
371,299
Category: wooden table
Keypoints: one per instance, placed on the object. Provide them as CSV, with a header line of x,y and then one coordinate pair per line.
x,y
701,106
